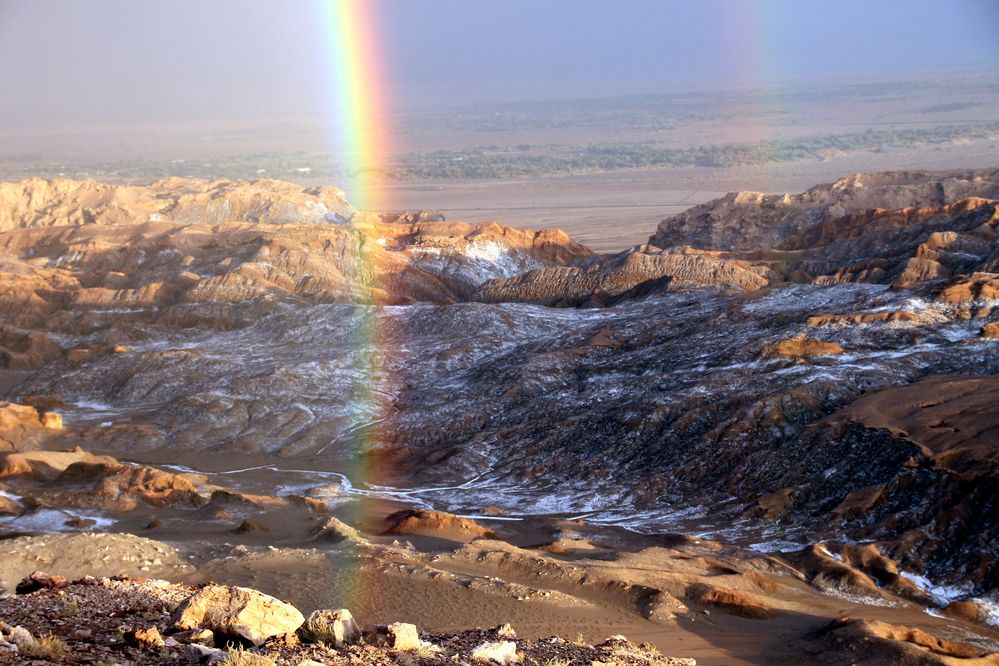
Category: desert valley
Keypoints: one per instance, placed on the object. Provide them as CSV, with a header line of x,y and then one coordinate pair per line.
x,y
521,333
766,433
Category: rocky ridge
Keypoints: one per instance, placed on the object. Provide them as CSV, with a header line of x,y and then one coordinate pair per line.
x,y
746,221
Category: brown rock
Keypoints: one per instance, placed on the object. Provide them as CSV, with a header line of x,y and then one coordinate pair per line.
x,y
145,639
126,485
188,279
51,420
81,354
26,349
248,526
39,580
970,610
776,505
9,507
802,348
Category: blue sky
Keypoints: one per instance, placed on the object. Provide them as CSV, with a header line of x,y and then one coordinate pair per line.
x,y
111,60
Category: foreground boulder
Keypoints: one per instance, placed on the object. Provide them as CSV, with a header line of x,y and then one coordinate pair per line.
x,y
237,612
333,627
500,652
396,636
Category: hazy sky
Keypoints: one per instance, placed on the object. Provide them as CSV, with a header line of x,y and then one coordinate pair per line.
x,y
107,61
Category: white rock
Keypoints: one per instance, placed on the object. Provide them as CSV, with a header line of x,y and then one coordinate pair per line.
x,y
500,652
505,631
397,636
206,655
20,636
338,625
405,636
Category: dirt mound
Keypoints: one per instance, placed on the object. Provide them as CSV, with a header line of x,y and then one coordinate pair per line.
x,y
436,523
731,601
872,642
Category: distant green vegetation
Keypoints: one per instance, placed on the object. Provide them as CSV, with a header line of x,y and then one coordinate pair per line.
x,y
497,162
510,161
945,107
284,166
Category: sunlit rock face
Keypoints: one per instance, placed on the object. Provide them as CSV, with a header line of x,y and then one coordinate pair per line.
x,y
751,220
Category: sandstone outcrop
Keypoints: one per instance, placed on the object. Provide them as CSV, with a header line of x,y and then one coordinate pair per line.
x,y
83,480
751,220
38,202
601,282
23,427
48,465
801,348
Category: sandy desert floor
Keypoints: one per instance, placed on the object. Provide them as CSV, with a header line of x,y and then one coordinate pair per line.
x,y
444,584
612,211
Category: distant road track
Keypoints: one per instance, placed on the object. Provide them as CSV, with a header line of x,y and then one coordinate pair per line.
x,y
583,207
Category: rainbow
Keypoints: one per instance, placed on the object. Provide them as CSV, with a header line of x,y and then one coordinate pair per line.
x,y
360,97
359,130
